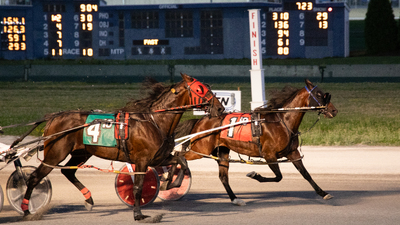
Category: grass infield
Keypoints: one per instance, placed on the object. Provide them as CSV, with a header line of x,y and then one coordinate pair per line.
x,y
368,111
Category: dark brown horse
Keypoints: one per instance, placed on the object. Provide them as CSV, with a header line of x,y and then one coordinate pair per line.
x,y
150,139
277,135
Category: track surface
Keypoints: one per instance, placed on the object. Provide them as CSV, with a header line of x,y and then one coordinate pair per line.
x,y
365,183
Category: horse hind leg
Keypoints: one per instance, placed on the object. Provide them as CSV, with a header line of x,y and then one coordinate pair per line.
x,y
181,174
34,179
78,159
52,158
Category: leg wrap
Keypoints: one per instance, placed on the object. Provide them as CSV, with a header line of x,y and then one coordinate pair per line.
x,y
86,193
25,205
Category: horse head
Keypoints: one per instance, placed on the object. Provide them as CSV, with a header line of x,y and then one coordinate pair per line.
x,y
319,98
201,95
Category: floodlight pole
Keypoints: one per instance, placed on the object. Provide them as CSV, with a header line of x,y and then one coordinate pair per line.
x,y
257,71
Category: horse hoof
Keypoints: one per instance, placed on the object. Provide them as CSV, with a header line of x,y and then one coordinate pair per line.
x,y
327,197
27,213
88,206
251,174
238,202
27,217
153,219
140,217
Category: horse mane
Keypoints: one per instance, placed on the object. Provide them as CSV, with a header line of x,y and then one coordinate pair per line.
x,y
154,89
280,97
185,127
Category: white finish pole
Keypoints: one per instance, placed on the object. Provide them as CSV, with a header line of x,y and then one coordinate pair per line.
x,y
257,71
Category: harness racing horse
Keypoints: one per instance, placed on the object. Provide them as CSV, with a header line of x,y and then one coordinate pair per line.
x,y
277,135
150,127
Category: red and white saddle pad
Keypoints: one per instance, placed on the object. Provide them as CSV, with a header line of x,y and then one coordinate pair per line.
x,y
240,132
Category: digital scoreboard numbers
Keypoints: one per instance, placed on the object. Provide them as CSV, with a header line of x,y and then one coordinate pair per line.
x,y
280,24
53,21
13,33
289,30
68,28
55,33
84,27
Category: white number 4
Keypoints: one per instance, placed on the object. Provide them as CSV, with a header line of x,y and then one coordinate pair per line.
x,y
94,132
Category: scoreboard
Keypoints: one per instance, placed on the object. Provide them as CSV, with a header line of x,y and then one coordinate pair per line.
x,y
86,29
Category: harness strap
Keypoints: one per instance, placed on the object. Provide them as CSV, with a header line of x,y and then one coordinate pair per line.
x,y
311,94
122,133
90,167
248,161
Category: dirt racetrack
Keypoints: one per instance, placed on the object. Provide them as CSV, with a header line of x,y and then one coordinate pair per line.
x,y
364,181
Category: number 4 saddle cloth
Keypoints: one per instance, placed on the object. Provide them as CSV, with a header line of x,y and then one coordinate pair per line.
x,y
107,131
241,132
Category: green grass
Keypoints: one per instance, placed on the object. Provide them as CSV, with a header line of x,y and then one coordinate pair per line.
x,y
368,112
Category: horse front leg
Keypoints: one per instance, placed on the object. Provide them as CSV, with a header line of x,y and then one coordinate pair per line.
x,y
294,156
223,166
275,169
137,191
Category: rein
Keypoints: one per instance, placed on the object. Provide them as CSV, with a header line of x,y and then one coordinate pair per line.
x,y
182,107
24,124
306,108
45,138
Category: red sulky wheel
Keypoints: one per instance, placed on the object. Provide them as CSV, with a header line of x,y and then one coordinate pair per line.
x,y
174,193
124,186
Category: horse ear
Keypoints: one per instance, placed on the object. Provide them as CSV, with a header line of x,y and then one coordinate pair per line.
x,y
186,77
309,84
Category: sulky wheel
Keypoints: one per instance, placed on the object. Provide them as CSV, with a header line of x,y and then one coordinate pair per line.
x,y
124,186
174,193
16,187
1,199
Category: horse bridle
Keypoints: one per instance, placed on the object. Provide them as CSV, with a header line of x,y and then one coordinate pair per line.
x,y
326,98
197,94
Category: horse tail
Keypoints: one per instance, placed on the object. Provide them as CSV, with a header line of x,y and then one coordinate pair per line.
x,y
185,128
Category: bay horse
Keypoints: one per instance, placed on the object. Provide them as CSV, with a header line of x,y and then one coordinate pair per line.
x,y
150,127
278,135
